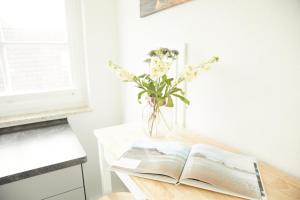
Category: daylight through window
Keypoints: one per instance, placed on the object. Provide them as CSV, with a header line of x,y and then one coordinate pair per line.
x,y
34,48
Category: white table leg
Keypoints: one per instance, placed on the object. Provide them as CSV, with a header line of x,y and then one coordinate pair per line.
x,y
104,172
132,187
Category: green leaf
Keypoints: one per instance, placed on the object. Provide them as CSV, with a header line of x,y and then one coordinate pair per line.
x,y
170,102
151,86
135,78
166,91
142,76
177,90
140,95
182,98
147,60
161,87
169,81
161,101
147,77
146,85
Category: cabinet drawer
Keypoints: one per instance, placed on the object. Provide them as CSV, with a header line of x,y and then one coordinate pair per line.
x,y
43,186
77,194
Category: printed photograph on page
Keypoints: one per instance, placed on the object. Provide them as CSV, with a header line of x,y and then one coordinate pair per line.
x,y
222,169
153,157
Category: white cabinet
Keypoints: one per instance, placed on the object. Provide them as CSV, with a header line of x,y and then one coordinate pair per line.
x,y
62,184
77,194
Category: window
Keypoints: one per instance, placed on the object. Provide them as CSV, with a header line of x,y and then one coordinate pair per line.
x,y
41,56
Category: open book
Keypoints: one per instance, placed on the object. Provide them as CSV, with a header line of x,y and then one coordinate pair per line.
x,y
200,165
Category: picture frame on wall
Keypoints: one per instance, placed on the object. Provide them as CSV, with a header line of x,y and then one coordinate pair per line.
x,y
148,7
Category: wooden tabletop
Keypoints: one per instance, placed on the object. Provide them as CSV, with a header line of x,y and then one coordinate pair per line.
x,y
115,140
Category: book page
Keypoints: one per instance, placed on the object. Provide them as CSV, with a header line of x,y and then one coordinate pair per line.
x,y
222,169
154,157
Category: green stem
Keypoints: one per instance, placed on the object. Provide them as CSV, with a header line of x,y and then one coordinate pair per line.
x,y
152,118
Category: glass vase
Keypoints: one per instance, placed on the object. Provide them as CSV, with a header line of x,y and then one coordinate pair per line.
x,y
158,120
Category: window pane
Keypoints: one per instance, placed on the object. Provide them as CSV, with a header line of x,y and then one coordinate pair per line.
x,y
33,37
1,77
33,20
22,35
38,67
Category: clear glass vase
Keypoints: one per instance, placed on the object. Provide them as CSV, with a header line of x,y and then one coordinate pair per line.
x,y
158,120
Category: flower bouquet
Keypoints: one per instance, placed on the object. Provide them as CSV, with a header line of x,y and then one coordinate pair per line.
x,y
157,86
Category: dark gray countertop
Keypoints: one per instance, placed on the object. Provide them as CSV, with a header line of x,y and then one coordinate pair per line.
x,y
30,150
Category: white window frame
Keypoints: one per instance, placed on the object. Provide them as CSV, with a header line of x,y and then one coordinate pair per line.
x,y
66,99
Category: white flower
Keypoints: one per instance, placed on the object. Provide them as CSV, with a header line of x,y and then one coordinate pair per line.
x,y
112,65
123,74
206,66
190,73
158,68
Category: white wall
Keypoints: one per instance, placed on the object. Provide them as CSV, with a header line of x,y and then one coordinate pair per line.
x,y
250,100
100,22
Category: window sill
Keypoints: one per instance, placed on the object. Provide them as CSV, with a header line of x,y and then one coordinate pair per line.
x,y
40,117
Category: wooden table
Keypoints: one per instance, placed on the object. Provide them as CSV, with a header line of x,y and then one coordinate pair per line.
x,y
113,141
